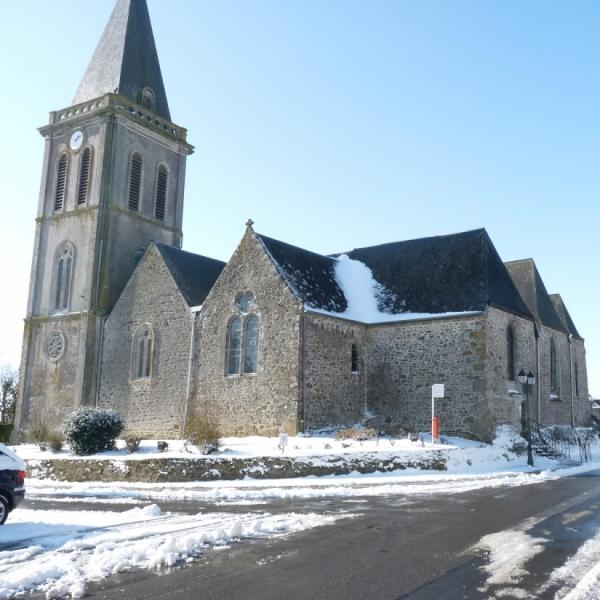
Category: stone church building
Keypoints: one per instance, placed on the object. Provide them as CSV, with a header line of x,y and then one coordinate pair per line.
x,y
119,316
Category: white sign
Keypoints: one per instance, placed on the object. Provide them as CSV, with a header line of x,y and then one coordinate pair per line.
x,y
437,390
283,441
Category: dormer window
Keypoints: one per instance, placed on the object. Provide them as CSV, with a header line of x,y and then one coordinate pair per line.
x,y
148,98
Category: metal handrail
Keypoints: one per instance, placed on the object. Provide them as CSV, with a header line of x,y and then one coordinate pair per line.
x,y
560,444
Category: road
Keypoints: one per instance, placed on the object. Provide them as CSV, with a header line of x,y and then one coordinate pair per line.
x,y
417,547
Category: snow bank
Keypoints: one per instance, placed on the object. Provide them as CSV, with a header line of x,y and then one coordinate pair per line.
x,y
73,548
579,577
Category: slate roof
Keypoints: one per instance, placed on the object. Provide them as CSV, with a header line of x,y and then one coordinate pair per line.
x,y
311,276
565,317
194,274
449,273
452,273
125,60
533,291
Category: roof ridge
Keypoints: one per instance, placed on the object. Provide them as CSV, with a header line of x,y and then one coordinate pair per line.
x,y
430,237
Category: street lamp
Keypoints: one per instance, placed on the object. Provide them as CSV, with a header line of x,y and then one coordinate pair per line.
x,y
527,382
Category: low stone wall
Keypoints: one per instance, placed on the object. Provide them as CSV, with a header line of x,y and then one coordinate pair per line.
x,y
165,470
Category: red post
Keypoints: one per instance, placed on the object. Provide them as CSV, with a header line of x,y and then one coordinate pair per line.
x,y
436,428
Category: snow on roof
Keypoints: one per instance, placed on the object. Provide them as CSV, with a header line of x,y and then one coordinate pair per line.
x,y
366,297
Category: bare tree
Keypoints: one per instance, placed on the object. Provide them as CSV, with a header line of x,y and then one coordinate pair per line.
x,y
9,386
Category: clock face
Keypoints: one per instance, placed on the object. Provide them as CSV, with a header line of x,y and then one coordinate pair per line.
x,y
76,140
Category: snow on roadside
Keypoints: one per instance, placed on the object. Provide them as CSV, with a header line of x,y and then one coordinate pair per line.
x,y
579,577
509,552
259,490
64,550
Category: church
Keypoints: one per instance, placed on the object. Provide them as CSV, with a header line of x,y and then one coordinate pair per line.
x,y
120,316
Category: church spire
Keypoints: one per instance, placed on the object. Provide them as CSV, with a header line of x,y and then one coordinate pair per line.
x,y
126,61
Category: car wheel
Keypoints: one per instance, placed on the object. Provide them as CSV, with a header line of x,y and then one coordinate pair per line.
x,y
3,509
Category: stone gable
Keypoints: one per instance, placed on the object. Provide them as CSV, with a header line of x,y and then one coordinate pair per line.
x,y
155,406
257,403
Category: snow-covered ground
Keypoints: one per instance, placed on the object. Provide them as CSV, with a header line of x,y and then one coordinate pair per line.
x,y
300,446
60,552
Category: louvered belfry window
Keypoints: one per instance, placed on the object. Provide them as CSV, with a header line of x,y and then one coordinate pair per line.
x,y
135,182
61,183
84,176
161,193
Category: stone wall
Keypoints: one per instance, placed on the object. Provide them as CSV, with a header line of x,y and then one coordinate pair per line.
x,y
504,394
405,359
555,408
582,404
152,407
333,394
257,403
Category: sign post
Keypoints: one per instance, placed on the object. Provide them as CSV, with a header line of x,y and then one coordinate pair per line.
x,y
437,391
283,441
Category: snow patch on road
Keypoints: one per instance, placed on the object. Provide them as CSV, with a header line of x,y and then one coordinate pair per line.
x,y
509,552
59,552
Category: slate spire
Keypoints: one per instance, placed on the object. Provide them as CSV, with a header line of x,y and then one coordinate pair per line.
x,y
126,61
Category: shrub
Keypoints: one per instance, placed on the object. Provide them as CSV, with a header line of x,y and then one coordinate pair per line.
x,y
132,442
202,434
5,432
90,430
39,428
55,440
359,435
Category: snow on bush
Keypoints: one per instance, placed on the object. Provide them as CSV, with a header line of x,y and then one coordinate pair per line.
x,y
90,430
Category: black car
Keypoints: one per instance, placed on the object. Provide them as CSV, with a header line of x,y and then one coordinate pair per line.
x,y
12,482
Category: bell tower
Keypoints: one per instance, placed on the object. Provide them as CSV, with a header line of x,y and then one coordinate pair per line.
x,y
113,180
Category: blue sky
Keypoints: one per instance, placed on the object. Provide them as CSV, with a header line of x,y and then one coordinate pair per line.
x,y
343,124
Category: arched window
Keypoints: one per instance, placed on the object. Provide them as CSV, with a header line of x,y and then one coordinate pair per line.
x,y
554,368
251,336
142,352
510,354
84,176
162,176
63,276
234,346
61,182
135,181
354,358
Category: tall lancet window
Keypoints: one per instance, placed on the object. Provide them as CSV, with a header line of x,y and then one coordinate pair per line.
x,y
142,352
162,176
84,177
510,353
63,276
61,182
251,335
233,351
554,369
135,181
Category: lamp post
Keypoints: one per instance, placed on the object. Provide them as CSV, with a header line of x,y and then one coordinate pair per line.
x,y
527,382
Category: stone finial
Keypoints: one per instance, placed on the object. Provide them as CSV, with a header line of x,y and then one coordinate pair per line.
x,y
249,224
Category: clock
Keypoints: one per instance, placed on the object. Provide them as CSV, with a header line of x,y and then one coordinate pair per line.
x,y
76,140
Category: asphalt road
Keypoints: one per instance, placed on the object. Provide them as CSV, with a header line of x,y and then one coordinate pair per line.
x,y
393,547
